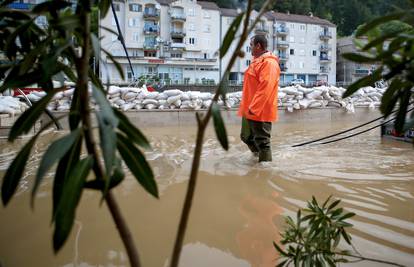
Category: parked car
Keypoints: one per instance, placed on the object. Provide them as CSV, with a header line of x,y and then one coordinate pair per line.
x,y
297,82
321,83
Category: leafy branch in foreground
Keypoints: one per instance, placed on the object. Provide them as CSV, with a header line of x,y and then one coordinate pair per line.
x,y
314,238
65,47
394,51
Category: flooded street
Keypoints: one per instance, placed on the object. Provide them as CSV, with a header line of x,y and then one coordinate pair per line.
x,y
238,207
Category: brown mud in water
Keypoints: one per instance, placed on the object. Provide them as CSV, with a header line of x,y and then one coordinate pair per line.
x,y
238,207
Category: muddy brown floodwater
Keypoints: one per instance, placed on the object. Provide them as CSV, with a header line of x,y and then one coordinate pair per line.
x,y
238,207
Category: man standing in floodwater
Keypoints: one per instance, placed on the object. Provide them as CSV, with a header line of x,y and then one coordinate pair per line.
x,y
258,106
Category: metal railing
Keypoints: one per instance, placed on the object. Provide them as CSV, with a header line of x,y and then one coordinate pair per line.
x,y
325,35
282,30
180,32
150,13
154,29
178,16
325,58
282,43
262,28
325,47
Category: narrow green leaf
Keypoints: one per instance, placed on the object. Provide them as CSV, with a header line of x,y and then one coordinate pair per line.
x,y
358,58
116,63
283,263
138,165
14,172
231,32
108,146
346,216
390,97
279,249
380,20
326,201
365,81
105,107
346,237
116,179
66,164
219,126
104,7
52,155
334,204
380,40
402,109
71,194
96,46
133,133
50,6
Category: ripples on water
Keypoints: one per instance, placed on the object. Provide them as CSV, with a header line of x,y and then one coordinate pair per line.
x,y
239,203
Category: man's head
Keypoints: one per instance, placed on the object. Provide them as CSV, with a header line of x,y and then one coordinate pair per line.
x,y
258,45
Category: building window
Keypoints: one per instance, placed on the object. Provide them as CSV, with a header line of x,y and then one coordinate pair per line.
x,y
207,28
191,40
248,49
176,55
205,55
135,53
301,65
206,14
229,21
135,36
116,7
292,39
315,28
191,12
292,51
292,26
133,22
150,54
248,62
314,53
302,27
135,7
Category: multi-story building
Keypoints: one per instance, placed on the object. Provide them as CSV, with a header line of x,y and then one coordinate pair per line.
x,y
348,72
176,41
179,41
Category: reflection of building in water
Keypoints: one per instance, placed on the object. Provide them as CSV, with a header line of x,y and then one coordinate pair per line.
x,y
255,240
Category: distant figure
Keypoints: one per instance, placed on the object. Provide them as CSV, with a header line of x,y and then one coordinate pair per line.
x,y
258,106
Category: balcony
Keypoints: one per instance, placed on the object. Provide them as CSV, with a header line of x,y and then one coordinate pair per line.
x,y
261,29
282,31
361,72
283,57
325,35
151,14
282,44
325,48
150,46
283,68
325,59
177,33
177,46
151,30
177,16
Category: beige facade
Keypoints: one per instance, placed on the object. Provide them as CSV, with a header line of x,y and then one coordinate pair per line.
x,y
179,41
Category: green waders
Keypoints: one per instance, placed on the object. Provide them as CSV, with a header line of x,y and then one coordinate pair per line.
x,y
256,135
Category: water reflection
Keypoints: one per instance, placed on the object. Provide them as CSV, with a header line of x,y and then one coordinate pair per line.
x,y
238,207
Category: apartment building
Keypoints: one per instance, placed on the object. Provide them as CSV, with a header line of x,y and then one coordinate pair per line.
x,y
176,41
347,71
305,45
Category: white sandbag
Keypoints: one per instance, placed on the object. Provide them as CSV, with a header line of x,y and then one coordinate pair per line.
x,y
315,94
172,92
174,98
177,103
162,102
68,92
195,94
206,103
296,106
39,93
32,97
334,104
129,96
206,96
162,96
152,95
120,102
185,96
127,106
150,101
139,106
315,104
281,94
150,106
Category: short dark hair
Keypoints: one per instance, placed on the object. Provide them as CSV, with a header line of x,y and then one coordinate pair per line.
x,y
260,39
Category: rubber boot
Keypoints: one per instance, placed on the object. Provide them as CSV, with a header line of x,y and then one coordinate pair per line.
x,y
265,156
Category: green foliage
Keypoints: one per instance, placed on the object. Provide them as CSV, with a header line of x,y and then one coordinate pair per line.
x,y
64,48
394,51
219,126
231,32
313,239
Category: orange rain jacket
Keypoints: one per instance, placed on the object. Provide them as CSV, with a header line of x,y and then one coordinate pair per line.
x,y
260,86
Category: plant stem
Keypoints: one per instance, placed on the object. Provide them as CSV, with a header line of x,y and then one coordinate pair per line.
x,y
82,86
369,259
202,125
